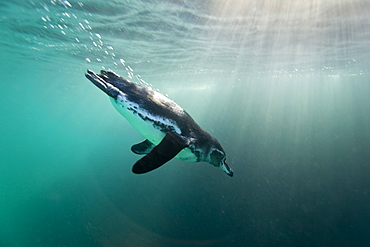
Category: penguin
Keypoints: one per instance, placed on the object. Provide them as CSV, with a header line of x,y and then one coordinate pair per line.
x,y
169,131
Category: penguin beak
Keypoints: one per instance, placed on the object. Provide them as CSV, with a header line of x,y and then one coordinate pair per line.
x,y
226,168
105,86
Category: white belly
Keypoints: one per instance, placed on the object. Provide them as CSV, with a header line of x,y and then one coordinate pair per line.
x,y
146,128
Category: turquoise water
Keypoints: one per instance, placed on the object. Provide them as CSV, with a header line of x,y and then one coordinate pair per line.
x,y
284,86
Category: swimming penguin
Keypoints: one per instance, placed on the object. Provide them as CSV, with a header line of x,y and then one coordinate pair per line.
x,y
169,130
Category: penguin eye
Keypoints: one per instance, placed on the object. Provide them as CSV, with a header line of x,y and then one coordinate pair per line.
x,y
217,156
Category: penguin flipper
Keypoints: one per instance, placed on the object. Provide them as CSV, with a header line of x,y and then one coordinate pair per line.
x,y
143,147
168,148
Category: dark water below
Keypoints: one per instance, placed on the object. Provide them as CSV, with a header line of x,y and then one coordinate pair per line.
x,y
284,86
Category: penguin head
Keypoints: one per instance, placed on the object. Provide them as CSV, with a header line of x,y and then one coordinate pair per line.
x,y
104,81
217,158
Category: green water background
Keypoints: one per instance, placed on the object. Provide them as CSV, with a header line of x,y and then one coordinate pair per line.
x,y
289,103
